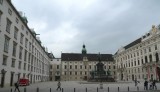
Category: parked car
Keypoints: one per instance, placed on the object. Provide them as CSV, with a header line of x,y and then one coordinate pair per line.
x,y
23,82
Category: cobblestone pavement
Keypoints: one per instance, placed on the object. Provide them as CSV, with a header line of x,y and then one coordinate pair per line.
x,y
81,87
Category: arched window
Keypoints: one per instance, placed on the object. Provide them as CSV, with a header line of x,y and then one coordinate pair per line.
x,y
157,57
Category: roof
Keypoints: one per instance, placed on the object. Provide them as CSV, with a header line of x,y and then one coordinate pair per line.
x,y
90,57
133,43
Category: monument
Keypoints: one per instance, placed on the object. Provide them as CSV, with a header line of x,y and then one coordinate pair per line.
x,y
99,74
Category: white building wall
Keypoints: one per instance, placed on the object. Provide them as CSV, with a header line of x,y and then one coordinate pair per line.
x,y
41,61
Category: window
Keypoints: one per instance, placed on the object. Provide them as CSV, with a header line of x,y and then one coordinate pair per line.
x,y
142,61
26,42
90,67
65,73
70,73
109,67
157,57
155,47
20,52
6,44
10,11
150,58
75,73
70,66
57,66
75,66
8,26
29,46
22,27
149,49
25,55
65,66
85,67
14,48
21,40
80,66
4,60
24,66
13,63
0,17
15,32
146,60
80,72
138,62
1,2
17,20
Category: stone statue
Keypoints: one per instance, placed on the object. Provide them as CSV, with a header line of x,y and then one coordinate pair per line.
x,y
154,29
108,72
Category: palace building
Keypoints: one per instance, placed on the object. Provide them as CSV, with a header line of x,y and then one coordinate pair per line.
x,y
78,66
21,52
140,59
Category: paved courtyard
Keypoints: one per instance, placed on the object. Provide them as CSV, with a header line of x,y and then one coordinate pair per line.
x,y
81,87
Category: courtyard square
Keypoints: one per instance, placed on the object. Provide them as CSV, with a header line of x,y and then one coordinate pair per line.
x,y
80,86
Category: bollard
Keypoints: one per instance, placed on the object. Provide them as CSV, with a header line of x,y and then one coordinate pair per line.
x,y
11,89
137,88
108,89
62,89
118,89
97,89
25,90
74,89
86,89
37,89
50,90
128,88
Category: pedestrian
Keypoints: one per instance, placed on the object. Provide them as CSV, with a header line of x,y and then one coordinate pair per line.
x,y
154,84
136,82
146,85
16,87
150,85
59,85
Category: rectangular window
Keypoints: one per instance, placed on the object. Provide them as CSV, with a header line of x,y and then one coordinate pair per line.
x,y
21,40
1,2
90,67
155,47
26,42
24,66
13,63
6,44
17,20
4,60
65,66
19,65
75,66
57,66
9,11
70,73
14,48
15,32
75,73
8,26
20,52
80,66
80,72
29,46
149,49
25,55
70,66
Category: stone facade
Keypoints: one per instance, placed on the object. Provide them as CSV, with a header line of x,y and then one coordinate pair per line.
x,y
140,59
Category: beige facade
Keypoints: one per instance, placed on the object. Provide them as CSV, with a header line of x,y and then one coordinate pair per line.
x,y
77,70
140,59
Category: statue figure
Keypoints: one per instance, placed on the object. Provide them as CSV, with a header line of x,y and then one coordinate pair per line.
x,y
154,29
108,72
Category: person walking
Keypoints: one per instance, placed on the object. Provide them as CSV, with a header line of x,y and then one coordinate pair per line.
x,y
16,87
59,85
146,85
154,84
136,82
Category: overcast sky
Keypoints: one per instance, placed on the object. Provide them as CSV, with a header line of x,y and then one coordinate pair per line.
x,y
102,25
